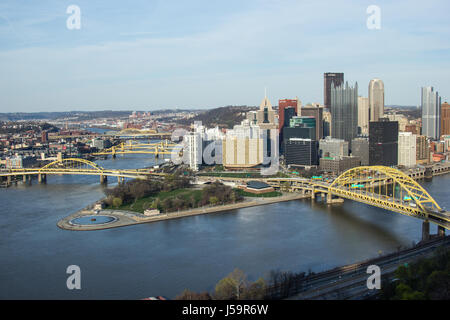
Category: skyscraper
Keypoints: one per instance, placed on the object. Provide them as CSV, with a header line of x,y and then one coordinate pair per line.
x,y
376,99
407,149
344,112
282,105
266,115
266,121
445,119
316,111
363,115
287,108
431,110
383,142
328,79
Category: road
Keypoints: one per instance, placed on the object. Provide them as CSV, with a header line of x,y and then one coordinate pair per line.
x,y
350,282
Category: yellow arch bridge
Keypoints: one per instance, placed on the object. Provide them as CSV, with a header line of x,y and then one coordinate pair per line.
x,y
378,186
161,148
75,166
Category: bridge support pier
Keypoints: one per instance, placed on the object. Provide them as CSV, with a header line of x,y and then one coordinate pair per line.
x,y
8,180
26,179
441,231
120,180
103,179
42,178
426,230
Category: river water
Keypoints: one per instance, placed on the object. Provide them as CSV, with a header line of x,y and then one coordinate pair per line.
x,y
163,258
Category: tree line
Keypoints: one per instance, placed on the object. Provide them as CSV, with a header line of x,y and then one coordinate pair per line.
x,y
133,190
235,286
426,279
214,194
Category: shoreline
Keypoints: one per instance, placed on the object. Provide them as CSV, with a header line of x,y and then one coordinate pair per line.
x,y
128,218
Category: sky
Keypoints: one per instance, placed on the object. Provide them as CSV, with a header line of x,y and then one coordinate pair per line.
x,y
148,54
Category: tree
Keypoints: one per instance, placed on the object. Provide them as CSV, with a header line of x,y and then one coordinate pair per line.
x,y
231,287
438,285
117,202
191,295
255,291
213,200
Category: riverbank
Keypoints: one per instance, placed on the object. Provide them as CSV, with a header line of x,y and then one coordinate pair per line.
x,y
127,218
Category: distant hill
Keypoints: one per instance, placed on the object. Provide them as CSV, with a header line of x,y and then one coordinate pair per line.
x,y
224,117
80,115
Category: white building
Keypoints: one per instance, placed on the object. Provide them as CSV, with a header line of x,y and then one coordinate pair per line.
x,y
407,149
243,146
193,148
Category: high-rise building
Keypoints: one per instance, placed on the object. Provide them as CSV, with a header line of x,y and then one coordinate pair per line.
x,y
360,149
252,117
335,148
330,78
431,109
302,152
422,150
194,150
344,112
316,111
376,99
407,149
282,105
287,114
266,115
267,120
445,119
242,146
383,142
363,115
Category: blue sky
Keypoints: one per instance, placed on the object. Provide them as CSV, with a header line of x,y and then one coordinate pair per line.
x,y
150,54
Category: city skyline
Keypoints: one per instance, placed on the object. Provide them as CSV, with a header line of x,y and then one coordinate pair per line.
x,y
157,55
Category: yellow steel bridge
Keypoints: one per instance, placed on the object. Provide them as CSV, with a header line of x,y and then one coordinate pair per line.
x,y
161,148
378,186
75,166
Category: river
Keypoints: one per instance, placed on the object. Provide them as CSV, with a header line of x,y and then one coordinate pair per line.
x,y
163,258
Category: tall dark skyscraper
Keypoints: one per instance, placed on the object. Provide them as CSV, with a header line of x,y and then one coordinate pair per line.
x,y
344,112
383,142
328,79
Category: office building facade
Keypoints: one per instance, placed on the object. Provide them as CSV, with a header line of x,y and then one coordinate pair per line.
x,y
301,152
383,142
360,149
329,79
330,147
363,115
431,109
376,99
445,119
407,149
344,112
